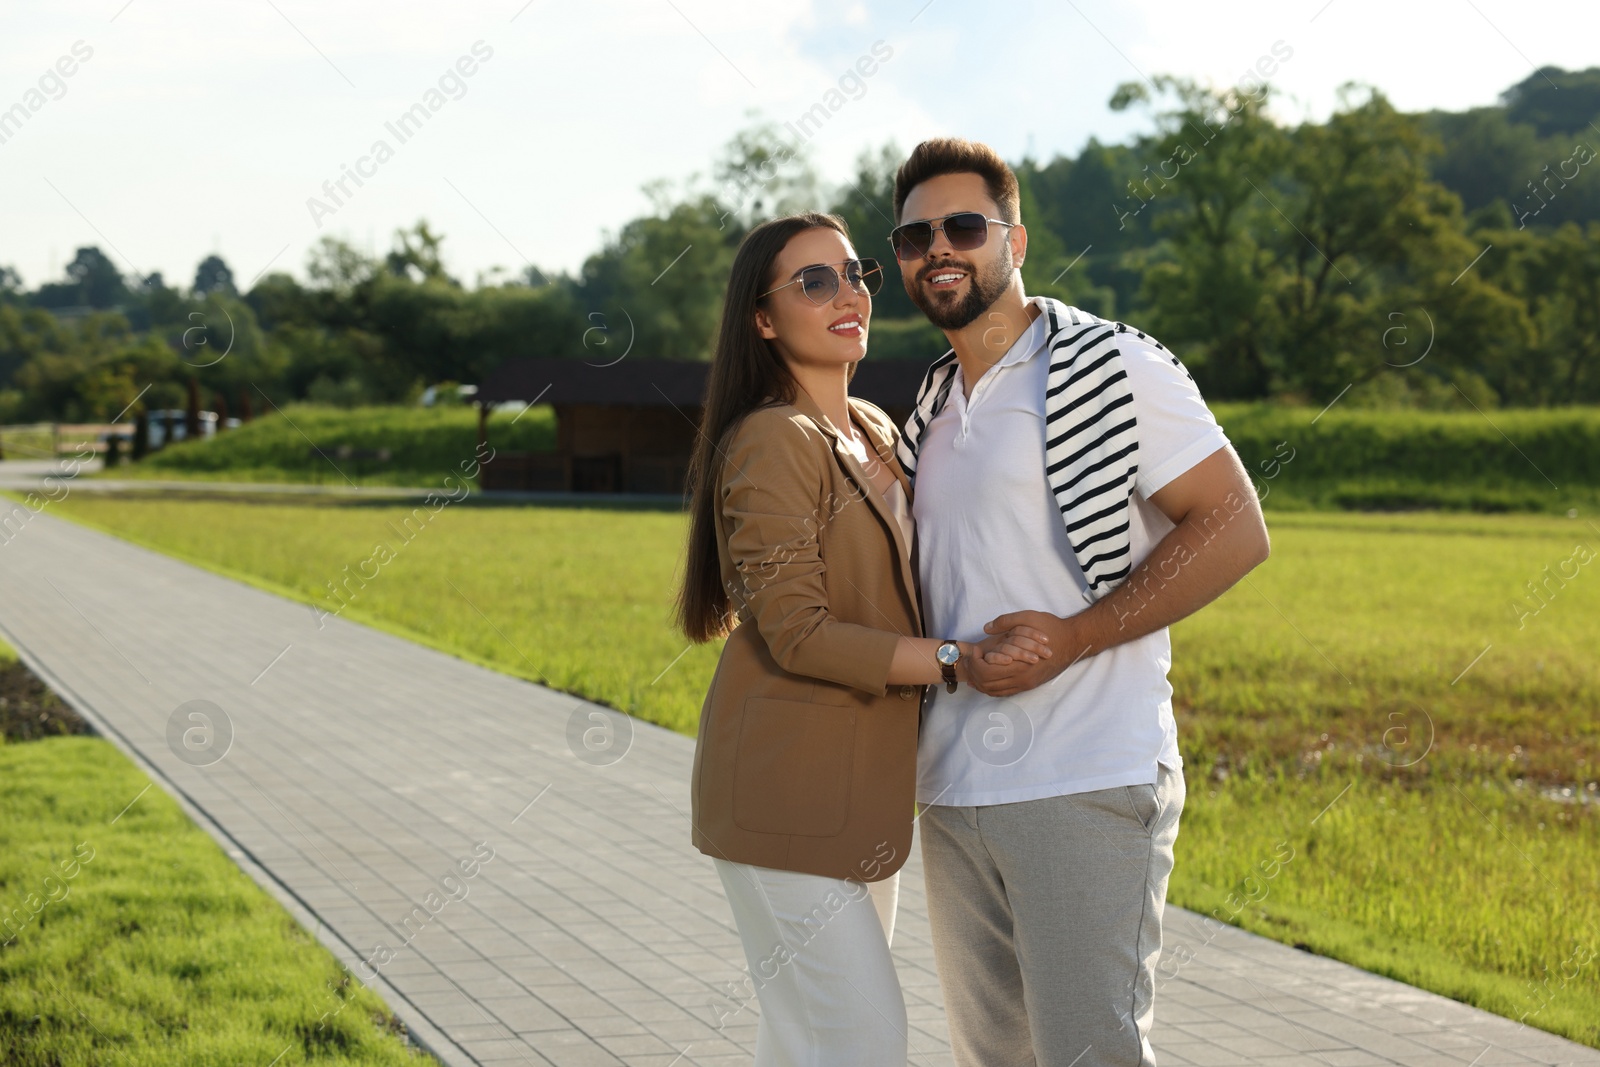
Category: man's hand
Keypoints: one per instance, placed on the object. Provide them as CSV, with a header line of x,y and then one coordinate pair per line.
x,y
1002,677
1005,655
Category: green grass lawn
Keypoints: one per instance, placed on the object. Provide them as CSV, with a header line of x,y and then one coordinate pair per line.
x,y
136,941
1468,888
1379,653
425,445
27,443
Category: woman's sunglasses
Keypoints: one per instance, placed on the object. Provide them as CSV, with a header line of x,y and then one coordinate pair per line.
x,y
820,282
965,231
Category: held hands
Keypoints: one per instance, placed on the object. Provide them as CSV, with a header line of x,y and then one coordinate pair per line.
x,y
1009,663
996,665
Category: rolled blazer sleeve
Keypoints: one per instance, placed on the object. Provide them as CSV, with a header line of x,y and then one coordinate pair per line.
x,y
776,498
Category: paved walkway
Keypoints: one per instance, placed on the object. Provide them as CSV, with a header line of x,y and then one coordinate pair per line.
x,y
361,768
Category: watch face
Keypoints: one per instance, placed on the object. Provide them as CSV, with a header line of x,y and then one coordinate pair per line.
x,y
949,653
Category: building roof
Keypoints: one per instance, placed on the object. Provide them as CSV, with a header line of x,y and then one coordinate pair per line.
x,y
653,383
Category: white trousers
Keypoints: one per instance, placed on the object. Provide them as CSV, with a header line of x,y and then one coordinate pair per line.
x,y
818,951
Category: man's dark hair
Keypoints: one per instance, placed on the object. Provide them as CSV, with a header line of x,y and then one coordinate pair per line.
x,y
957,155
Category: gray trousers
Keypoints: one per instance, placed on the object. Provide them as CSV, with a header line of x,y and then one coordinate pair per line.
x,y
1046,919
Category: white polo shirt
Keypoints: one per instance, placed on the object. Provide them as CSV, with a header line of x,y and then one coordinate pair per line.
x,y
991,541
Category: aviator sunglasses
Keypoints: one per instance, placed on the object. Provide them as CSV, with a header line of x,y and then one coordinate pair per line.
x,y
820,282
965,230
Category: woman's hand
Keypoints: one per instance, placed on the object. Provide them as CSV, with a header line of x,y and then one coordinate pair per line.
x,y
996,662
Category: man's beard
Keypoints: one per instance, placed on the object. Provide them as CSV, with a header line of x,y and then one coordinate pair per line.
x,y
983,289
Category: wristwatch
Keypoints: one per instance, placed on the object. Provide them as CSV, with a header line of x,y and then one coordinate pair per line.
x,y
948,655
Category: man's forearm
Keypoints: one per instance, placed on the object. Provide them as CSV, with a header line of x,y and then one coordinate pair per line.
x,y
1218,535
1202,557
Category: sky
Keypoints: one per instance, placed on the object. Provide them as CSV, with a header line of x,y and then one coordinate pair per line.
x,y
188,128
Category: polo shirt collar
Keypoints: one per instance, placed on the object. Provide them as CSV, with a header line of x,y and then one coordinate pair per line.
x,y
1025,347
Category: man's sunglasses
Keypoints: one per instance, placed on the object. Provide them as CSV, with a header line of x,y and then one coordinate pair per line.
x,y
820,282
965,230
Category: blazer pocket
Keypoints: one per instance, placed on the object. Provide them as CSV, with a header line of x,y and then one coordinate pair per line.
x,y
791,771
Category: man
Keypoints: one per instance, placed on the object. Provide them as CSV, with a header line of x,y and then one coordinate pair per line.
x,y
1069,463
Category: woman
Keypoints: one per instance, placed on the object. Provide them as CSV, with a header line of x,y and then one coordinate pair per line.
x,y
800,551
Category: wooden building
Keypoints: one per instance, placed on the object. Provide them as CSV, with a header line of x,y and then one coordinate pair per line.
x,y
630,427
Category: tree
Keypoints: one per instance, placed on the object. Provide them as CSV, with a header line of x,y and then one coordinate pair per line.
x,y
339,267
1485,155
1051,268
156,304
25,334
1089,204
1543,181
1555,101
416,255
213,276
1558,278
97,277
655,289
92,280
279,298
1567,275
758,176
1209,286
1295,251
866,203
89,369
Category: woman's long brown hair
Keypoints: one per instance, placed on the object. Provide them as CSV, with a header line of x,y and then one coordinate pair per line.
x,y
746,373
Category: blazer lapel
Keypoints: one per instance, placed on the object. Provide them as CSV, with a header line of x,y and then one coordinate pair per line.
x,y
884,447
869,492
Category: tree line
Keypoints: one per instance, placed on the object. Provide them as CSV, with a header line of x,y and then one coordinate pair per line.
x,y
1391,258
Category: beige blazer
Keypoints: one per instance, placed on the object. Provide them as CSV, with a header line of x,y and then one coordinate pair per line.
x,y
806,758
